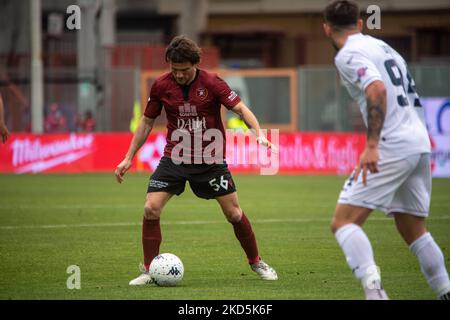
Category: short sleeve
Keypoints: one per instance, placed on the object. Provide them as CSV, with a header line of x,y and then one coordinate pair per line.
x,y
357,69
154,105
227,97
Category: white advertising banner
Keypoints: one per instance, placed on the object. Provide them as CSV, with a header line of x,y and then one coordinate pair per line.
x,y
437,117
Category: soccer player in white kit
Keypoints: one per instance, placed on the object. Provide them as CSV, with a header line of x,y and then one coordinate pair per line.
x,y
394,173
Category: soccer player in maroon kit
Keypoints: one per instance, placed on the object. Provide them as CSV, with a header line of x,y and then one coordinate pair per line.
x,y
192,99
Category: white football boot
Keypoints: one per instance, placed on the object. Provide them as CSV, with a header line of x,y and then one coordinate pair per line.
x,y
371,283
264,270
375,291
143,279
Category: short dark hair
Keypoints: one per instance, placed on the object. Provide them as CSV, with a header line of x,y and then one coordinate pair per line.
x,y
341,14
182,49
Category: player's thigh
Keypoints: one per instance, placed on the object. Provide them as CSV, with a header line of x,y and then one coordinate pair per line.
x,y
380,188
346,213
414,195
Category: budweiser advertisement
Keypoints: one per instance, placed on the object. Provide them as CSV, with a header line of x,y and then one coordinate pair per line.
x,y
299,153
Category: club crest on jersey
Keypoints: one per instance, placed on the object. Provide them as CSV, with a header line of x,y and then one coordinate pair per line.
x,y
361,72
187,110
201,93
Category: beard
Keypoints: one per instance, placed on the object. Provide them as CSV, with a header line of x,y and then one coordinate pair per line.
x,y
335,46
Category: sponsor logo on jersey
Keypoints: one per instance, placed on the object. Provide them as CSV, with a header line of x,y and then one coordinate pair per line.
x,y
233,95
191,124
350,60
187,110
189,119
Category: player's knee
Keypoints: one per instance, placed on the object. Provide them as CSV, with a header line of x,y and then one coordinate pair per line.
x,y
152,211
233,214
335,225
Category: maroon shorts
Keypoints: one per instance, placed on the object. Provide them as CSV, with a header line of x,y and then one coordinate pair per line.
x,y
207,181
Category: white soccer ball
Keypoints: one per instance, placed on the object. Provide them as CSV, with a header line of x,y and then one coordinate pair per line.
x,y
166,270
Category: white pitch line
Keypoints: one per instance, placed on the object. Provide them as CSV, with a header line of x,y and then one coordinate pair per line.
x,y
193,222
69,207
7,207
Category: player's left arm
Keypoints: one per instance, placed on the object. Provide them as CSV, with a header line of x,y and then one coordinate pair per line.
x,y
375,94
252,122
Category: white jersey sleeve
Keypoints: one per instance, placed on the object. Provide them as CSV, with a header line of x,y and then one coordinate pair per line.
x,y
357,69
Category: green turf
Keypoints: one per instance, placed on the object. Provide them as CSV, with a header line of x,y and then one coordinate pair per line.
x,y
49,222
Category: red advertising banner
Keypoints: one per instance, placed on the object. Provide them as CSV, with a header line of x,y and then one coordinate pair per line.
x,y
320,153
62,153
308,153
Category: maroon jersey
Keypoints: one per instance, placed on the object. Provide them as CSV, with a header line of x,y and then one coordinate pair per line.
x,y
192,109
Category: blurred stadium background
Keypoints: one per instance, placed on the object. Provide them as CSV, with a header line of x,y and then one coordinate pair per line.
x,y
273,53
72,96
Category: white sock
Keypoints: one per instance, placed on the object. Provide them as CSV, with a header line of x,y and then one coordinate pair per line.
x,y
432,263
357,250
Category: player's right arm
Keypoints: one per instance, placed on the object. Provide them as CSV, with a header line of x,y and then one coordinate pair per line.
x,y
152,111
376,111
140,136
358,69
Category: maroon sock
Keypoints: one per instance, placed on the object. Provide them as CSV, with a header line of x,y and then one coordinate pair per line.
x,y
151,239
244,233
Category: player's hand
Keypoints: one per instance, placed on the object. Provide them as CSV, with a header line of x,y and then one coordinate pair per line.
x,y
263,141
121,169
4,133
367,162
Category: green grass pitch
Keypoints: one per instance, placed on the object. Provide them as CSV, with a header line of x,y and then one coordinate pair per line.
x,y
49,222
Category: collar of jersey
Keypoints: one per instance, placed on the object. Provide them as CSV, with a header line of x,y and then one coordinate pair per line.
x,y
354,36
